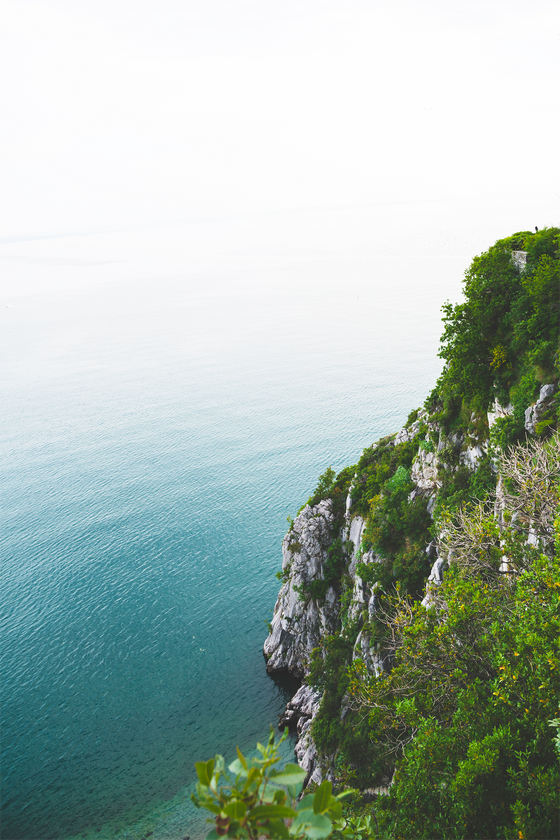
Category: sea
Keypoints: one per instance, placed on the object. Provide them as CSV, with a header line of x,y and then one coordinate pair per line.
x,y
170,396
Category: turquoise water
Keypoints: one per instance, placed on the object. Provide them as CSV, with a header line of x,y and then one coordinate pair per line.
x,y
157,431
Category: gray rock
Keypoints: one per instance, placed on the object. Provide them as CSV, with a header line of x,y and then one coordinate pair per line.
x,y
408,434
363,649
535,412
298,625
307,756
435,579
499,411
436,574
354,532
362,596
424,472
471,457
300,713
303,705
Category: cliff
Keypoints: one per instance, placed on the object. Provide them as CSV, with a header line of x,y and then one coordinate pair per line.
x,y
301,621
382,526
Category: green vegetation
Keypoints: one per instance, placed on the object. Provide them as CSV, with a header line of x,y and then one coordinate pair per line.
x,y
397,531
501,343
503,340
257,800
465,710
463,718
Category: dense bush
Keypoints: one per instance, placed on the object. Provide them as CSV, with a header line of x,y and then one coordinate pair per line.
x,y
502,341
465,710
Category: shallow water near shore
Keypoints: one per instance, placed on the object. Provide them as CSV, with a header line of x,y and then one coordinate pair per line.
x,y
159,426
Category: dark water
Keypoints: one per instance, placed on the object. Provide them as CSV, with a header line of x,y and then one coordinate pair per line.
x,y
156,434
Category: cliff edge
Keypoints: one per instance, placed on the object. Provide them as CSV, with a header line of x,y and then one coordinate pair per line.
x,y
380,526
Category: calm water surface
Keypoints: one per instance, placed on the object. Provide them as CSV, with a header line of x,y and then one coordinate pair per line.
x,y
158,426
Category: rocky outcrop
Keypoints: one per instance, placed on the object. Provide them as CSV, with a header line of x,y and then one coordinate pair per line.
x,y
424,472
354,531
366,651
472,456
299,715
498,412
535,413
299,622
408,433
435,579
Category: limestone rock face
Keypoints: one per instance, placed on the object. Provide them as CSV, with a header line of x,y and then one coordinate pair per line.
x,y
299,713
363,649
424,472
434,580
536,412
306,753
303,704
408,434
354,532
471,456
499,411
299,623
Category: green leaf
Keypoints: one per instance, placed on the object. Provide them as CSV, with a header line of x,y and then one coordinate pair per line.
x,y
213,835
278,828
322,797
320,826
271,812
335,810
292,774
303,818
254,775
237,768
204,770
236,810
306,802
314,825
294,791
242,758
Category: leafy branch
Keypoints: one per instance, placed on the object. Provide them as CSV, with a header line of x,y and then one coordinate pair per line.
x,y
253,799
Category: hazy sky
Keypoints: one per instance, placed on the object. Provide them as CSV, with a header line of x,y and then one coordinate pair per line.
x,y
119,113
